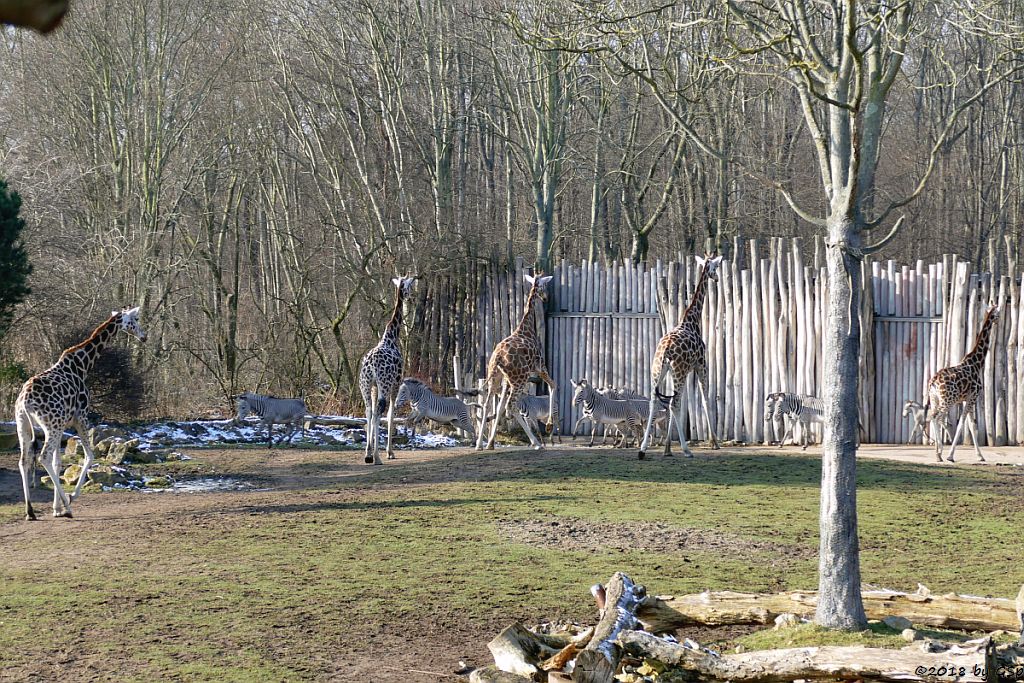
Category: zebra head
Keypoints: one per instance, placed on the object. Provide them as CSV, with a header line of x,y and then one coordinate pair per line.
x,y
582,391
771,402
244,404
908,407
411,390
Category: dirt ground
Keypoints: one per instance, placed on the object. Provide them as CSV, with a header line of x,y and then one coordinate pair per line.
x,y
424,647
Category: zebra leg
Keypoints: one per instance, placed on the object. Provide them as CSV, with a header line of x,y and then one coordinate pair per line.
x,y
576,428
270,434
391,427
702,383
537,445
650,417
805,434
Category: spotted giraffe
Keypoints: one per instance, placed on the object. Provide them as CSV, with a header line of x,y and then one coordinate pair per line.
x,y
682,351
513,360
960,383
380,376
58,398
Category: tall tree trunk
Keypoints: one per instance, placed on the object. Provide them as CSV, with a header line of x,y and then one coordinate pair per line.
x,y
840,604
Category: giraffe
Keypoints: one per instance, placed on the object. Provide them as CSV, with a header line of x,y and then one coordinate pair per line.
x,y
960,383
58,398
380,375
513,360
682,351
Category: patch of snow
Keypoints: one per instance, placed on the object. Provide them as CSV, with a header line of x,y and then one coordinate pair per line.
x,y
199,433
206,485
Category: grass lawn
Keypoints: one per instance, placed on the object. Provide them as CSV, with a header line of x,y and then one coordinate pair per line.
x,y
338,571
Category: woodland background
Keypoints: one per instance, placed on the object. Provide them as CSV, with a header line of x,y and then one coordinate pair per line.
x,y
253,173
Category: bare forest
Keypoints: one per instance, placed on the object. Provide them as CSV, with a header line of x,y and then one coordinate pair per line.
x,y
253,174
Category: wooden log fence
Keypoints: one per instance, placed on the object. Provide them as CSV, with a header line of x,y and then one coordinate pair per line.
x,y
762,322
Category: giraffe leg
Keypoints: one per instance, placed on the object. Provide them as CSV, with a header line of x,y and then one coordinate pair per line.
x,y
956,437
483,418
83,436
702,383
938,436
52,465
973,426
499,412
370,401
391,427
537,445
650,417
682,435
27,462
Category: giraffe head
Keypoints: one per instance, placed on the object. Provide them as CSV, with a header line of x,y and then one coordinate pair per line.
x,y
128,321
709,263
539,284
404,284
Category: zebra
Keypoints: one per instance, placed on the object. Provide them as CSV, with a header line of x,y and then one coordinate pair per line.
x,y
273,411
793,408
534,410
600,409
426,405
643,404
918,415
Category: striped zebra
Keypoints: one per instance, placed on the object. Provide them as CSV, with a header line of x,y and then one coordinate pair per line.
x,y
643,405
600,409
271,411
426,405
918,415
794,408
534,410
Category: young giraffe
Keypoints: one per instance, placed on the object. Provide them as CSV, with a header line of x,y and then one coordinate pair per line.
x,y
58,398
682,351
959,384
380,376
513,360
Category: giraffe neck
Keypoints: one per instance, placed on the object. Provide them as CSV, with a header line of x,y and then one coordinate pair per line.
x,y
976,358
82,356
528,325
696,307
391,332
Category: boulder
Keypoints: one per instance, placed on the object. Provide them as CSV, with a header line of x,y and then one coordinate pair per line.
x,y
106,476
910,635
71,474
897,623
158,483
74,451
787,620
142,457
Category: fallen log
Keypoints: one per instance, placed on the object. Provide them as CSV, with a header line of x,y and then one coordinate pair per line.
x,y
727,607
599,660
972,664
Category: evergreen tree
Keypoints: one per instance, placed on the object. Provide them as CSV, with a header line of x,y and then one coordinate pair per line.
x,y
14,265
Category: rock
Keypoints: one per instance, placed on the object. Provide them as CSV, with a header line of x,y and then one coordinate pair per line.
x,y
787,620
106,476
74,450
142,457
158,483
910,635
897,623
45,482
71,474
740,649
